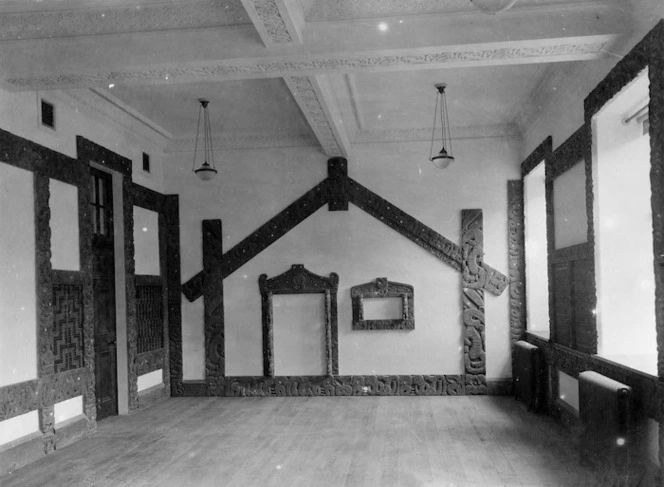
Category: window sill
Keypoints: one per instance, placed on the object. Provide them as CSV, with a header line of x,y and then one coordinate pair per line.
x,y
544,334
644,364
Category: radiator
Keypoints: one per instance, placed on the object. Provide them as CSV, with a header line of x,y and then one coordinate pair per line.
x,y
527,374
604,404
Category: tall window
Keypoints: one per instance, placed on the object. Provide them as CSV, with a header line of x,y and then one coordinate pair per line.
x,y
624,230
537,292
102,203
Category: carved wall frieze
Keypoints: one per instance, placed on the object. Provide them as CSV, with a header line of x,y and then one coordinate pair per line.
x,y
312,108
549,50
272,21
382,288
21,398
298,280
130,18
381,385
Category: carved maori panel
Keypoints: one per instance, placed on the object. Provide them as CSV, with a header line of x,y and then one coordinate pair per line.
x,y
150,361
149,317
298,280
67,327
517,260
173,279
43,274
381,385
24,397
382,288
213,301
474,352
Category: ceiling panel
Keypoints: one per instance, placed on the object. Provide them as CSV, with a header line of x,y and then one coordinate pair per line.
x,y
249,106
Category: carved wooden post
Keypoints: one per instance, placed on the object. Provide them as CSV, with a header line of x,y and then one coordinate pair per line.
x,y
474,278
517,260
213,301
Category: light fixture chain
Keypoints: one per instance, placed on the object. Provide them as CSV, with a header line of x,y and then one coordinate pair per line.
x,y
198,126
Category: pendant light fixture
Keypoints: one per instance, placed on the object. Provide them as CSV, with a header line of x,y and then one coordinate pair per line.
x,y
443,158
206,170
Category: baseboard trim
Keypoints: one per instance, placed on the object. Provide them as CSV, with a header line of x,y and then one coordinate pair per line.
x,y
500,387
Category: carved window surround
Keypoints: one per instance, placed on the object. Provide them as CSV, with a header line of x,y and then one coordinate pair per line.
x,y
382,288
298,280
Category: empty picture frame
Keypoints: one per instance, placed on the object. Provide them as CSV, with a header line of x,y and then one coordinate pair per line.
x,y
382,288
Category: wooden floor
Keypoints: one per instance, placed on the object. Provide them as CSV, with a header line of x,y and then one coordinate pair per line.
x,y
342,441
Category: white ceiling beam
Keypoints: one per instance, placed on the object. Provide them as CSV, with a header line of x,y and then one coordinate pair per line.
x,y
314,97
438,57
276,21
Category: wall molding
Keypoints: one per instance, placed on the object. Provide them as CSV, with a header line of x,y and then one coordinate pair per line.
x,y
488,54
95,20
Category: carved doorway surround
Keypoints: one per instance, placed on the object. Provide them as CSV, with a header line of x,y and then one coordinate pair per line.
x,y
298,280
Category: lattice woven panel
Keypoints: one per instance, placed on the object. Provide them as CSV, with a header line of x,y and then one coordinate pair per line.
x,y
67,327
149,317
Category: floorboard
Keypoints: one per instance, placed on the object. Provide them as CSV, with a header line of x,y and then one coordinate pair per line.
x,y
341,441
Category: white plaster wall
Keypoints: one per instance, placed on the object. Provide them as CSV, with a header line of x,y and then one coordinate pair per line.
x,y
63,203
18,301
299,334
151,379
253,186
568,390
18,427
570,220
623,227
83,112
68,409
146,241
537,295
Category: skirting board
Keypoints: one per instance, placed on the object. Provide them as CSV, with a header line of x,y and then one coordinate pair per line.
x,y
356,385
500,387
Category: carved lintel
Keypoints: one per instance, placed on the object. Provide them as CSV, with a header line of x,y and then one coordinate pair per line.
x,y
382,288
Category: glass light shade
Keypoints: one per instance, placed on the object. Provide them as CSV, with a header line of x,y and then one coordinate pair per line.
x,y
205,172
442,160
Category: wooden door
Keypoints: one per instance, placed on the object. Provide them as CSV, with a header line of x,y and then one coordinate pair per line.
x,y
104,294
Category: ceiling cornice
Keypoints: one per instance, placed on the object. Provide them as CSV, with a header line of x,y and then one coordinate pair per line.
x,y
236,141
188,14
414,134
467,55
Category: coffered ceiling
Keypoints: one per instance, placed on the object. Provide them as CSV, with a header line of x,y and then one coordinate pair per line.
x,y
307,72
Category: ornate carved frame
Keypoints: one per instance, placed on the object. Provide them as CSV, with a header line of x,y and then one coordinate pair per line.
x,y
298,280
382,288
49,387
166,206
